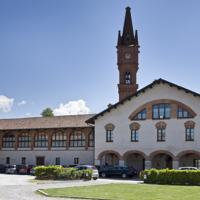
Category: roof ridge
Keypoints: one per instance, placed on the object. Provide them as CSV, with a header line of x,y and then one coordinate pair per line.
x,y
50,117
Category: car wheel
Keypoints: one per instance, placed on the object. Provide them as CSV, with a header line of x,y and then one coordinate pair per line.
x,y
103,175
95,178
124,176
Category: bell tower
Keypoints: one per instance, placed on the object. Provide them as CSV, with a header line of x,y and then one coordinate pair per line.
x,y
127,58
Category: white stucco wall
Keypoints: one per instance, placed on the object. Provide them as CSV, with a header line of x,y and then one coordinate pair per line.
x,y
66,156
175,130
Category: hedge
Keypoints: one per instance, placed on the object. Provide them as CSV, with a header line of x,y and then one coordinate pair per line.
x,y
61,173
171,177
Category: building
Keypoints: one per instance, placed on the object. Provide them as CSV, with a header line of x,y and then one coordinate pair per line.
x,y
156,126
62,140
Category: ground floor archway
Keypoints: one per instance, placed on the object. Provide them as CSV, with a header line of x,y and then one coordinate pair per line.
x,y
162,160
109,158
189,159
135,159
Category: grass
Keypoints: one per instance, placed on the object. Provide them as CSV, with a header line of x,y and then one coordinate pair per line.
x,y
127,192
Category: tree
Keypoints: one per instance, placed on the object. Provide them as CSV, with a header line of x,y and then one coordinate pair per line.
x,y
47,112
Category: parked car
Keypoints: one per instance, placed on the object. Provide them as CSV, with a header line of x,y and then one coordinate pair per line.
x,y
95,172
2,168
22,169
117,171
11,169
188,168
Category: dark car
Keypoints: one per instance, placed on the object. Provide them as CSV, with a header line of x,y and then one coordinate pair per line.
x,y
117,171
2,168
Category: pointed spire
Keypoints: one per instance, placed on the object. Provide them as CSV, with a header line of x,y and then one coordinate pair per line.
x,y
119,38
128,34
136,38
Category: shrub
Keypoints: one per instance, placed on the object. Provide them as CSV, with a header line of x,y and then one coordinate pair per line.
x,y
171,177
47,172
60,173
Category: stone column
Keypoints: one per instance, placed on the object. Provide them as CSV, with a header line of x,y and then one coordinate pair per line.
x,y
68,131
121,163
148,164
175,164
49,133
16,133
32,132
87,133
97,162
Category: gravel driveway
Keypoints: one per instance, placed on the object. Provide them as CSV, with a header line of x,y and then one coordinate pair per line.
x,y
23,187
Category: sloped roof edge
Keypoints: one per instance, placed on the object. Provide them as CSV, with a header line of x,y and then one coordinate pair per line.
x,y
66,121
155,82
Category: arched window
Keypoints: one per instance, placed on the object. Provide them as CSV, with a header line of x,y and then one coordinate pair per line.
x,y
134,132
127,78
109,132
189,130
59,139
141,115
91,139
77,139
161,111
24,140
41,140
8,140
183,113
161,127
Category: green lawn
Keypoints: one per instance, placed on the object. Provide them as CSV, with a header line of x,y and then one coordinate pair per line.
x,y
128,192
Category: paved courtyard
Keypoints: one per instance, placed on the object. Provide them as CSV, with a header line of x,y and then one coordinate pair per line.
x,y
23,187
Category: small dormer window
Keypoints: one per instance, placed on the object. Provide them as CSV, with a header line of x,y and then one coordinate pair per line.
x,y
127,78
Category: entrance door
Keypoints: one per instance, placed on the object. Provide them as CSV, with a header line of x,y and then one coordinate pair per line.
x,y
40,160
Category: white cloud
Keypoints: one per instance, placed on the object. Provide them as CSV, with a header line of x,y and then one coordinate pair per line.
x,y
6,103
72,108
28,115
21,103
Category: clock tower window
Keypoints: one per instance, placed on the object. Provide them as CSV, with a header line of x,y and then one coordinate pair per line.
x,y
127,78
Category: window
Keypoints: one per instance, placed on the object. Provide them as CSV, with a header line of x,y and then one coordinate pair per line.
x,y
23,160
77,139
57,161
161,111
141,115
91,139
109,136
41,140
182,113
134,136
9,141
161,134
8,160
59,139
76,161
127,78
189,134
24,140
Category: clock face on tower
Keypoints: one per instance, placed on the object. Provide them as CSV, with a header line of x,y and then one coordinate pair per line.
x,y
127,56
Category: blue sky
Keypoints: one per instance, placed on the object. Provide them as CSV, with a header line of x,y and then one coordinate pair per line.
x,y
56,51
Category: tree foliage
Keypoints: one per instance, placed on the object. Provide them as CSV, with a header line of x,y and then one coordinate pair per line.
x,y
47,112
